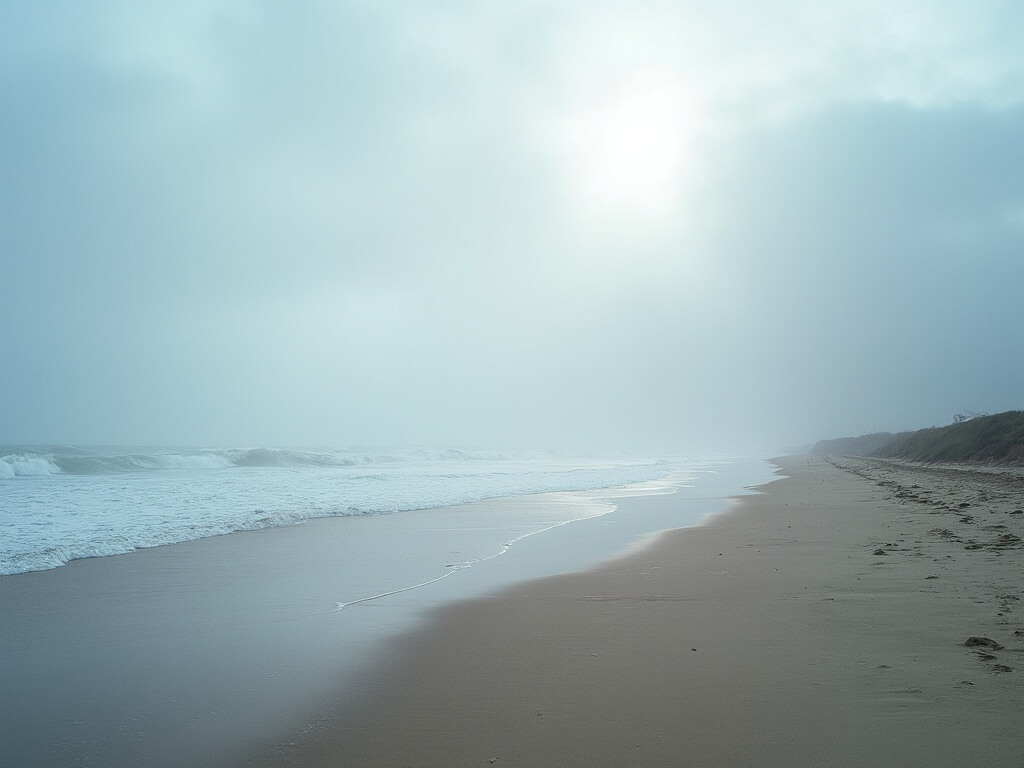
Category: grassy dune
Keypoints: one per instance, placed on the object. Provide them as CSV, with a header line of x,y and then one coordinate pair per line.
x,y
997,439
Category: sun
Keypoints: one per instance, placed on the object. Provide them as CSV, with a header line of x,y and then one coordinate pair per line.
x,y
627,153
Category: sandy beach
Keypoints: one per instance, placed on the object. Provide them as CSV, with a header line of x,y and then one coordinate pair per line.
x,y
827,621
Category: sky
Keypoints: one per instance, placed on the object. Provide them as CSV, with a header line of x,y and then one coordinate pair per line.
x,y
655,225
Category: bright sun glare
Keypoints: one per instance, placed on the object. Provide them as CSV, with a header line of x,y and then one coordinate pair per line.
x,y
628,154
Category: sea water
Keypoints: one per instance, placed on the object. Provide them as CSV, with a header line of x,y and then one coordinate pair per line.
x,y
60,503
186,654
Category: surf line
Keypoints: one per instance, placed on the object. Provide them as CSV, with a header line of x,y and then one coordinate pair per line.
x,y
456,567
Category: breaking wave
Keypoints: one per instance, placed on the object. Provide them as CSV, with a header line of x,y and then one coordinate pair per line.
x,y
68,460
27,464
62,503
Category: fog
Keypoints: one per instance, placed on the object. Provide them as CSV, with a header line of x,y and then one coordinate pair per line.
x,y
592,225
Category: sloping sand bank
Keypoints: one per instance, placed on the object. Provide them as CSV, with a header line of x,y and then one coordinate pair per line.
x,y
821,623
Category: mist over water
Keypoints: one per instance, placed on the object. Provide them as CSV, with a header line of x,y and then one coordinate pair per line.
x,y
658,225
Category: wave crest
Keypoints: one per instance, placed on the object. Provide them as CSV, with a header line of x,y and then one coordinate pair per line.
x,y
27,464
193,461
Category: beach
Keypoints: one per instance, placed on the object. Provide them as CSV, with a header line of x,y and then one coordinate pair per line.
x,y
856,613
852,612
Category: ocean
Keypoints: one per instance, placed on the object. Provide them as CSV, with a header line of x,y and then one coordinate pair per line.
x,y
61,503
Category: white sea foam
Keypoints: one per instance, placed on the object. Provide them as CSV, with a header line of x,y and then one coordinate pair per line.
x,y
27,465
60,504
193,461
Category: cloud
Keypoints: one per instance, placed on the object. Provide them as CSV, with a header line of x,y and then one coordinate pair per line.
x,y
353,222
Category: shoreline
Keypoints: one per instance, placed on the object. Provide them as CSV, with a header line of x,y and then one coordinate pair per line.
x,y
823,621
187,653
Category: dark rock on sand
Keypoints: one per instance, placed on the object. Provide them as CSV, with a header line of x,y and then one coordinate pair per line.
x,y
982,642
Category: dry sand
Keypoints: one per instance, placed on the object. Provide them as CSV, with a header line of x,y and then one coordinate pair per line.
x,y
822,623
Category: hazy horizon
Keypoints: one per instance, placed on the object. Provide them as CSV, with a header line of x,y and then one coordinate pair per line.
x,y
650,226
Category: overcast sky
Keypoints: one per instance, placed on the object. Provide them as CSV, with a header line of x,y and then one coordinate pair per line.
x,y
696,226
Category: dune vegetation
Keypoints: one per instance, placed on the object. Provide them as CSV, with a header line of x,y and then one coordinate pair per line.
x,y
995,439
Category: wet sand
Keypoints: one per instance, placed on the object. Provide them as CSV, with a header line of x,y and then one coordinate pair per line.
x,y
825,622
